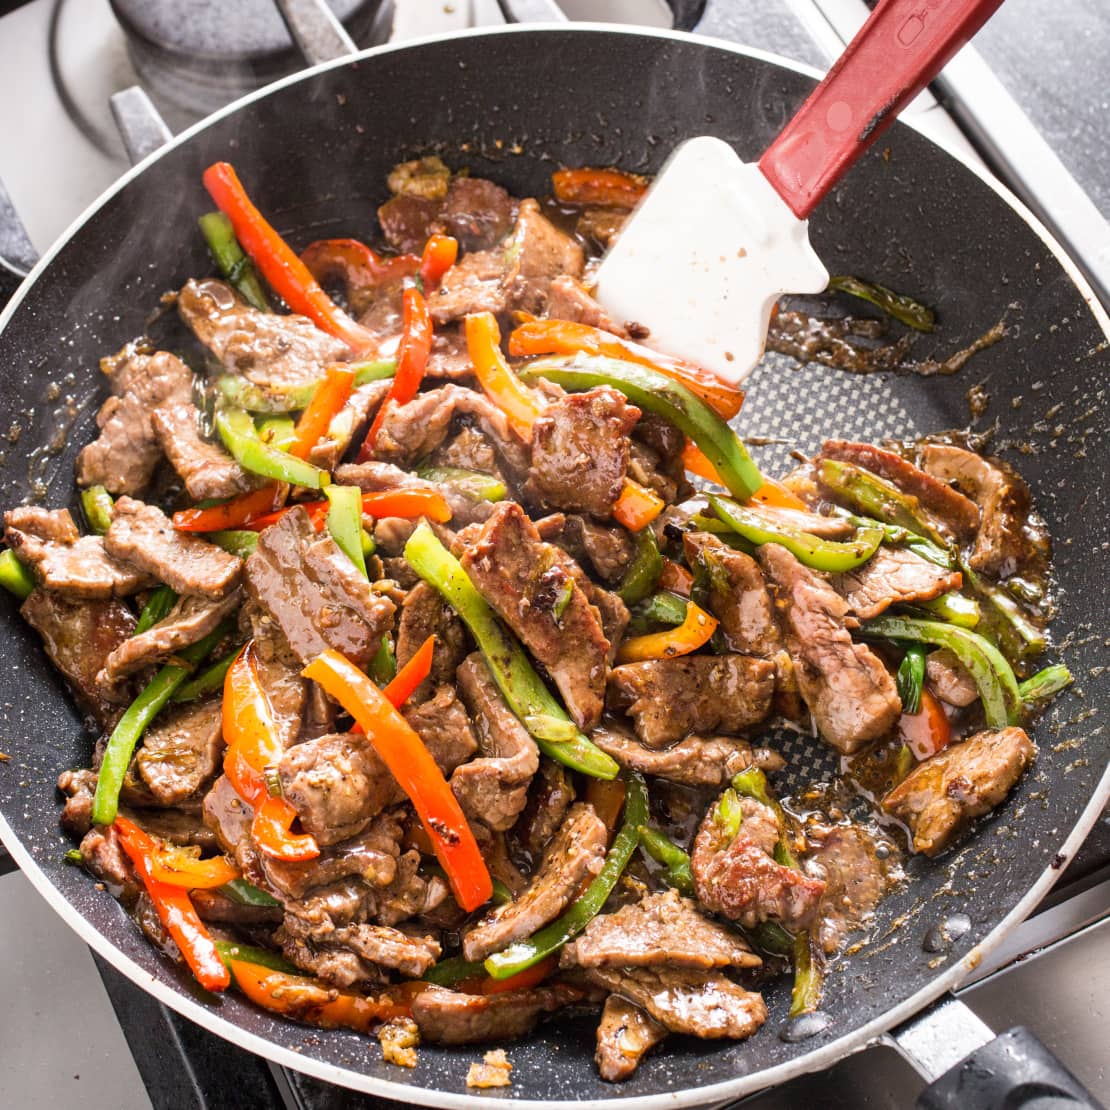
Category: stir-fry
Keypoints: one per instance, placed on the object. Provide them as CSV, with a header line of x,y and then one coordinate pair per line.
x,y
439,636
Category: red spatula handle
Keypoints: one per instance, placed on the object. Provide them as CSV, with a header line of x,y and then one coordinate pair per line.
x,y
903,45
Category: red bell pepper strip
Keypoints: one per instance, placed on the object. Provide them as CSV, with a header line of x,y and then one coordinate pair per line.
x,y
355,264
272,832
175,910
497,379
412,360
523,980
233,514
440,252
407,504
590,185
406,680
280,266
412,765
637,506
327,401
676,579
927,731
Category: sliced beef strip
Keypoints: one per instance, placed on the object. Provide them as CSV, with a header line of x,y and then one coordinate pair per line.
x,y
702,1003
314,593
424,613
143,535
477,213
79,787
175,825
217,908
104,858
124,455
449,1017
951,510
602,225
949,679
851,695
373,476
538,253
279,672
444,727
625,1035
609,549
469,449
407,220
737,594
205,467
893,576
494,787
274,351
741,880
964,781
1005,544
388,947
78,637
580,452
670,698
568,299
181,751
575,855
662,929
449,358
64,562
549,798
476,283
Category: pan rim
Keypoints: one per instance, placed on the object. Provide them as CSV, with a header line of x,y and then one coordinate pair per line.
x,y
816,1059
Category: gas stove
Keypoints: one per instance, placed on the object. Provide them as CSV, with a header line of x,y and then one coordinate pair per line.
x,y
72,1028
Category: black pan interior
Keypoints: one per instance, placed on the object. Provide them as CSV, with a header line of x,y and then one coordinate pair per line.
x,y
513,107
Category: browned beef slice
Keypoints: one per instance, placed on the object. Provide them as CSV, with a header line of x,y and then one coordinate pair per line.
x,y
104,857
227,815
314,593
964,781
575,855
410,894
273,350
279,671
737,594
949,679
78,637
670,698
424,613
123,456
625,1035
1005,544
580,450
549,797
851,695
215,907
79,787
494,787
181,751
470,449
372,476
351,424
449,357
526,580
703,1003
661,929
607,548
955,513
190,620
603,225
568,300
476,283
476,212
64,562
893,576
407,220
144,536
449,1017
388,947
538,253
740,878
175,825
336,965
205,467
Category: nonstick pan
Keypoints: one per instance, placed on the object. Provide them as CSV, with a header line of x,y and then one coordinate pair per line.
x,y
512,105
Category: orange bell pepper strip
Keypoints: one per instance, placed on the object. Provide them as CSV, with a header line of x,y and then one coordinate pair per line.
x,y
179,868
175,910
589,185
676,579
355,264
440,252
607,798
637,506
927,731
412,765
695,461
412,360
406,680
236,513
271,830
497,379
289,277
562,337
773,493
691,634
523,980
405,503
330,397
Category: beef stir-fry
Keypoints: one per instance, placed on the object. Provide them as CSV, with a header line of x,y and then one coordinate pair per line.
x,y
439,636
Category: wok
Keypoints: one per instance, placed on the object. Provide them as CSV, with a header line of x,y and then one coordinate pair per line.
x,y
512,105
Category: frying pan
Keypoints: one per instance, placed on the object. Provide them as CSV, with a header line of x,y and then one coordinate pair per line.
x,y
512,105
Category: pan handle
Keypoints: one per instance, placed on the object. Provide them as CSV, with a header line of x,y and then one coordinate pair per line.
x,y
17,253
140,126
532,11
1009,1072
319,36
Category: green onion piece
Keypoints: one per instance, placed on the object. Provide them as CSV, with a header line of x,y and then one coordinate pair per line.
x,y
904,309
675,861
643,572
368,545
728,813
97,505
772,937
383,664
562,602
1046,684
752,783
277,431
473,483
247,894
239,541
73,856
14,576
375,370
954,608
345,522
240,437
272,777
208,681
231,259
809,975
261,957
453,970
162,599
911,674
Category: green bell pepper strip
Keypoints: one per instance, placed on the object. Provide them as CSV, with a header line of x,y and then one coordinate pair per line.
x,y
954,608
134,722
675,861
723,532
911,674
241,542
345,522
904,309
231,259
162,599
277,431
14,576
1016,634
240,437
752,783
812,551
249,954
662,608
382,667
655,392
245,893
208,681
809,975
516,678
453,970
901,537
993,676
1045,684
525,953
97,504
241,393
368,544
475,484
643,572
728,814
772,937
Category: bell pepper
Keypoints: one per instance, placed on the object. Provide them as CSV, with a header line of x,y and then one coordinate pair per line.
x,y
238,541
179,867
911,675
654,392
637,506
330,396
174,909
355,264
440,252
411,764
246,894
1017,635
676,578
954,608
778,496
240,437
752,783
827,555
516,678
208,681
643,572
695,631
607,798
902,537
288,276
527,953
240,393
412,361
344,522
382,667
904,309
809,975
233,263
562,337
405,503
1045,684
473,483
661,608
498,381
925,731
250,954
14,576
607,188
162,599
96,502
401,684
234,513
675,861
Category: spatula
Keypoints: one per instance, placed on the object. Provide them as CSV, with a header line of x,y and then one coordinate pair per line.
x,y
716,241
